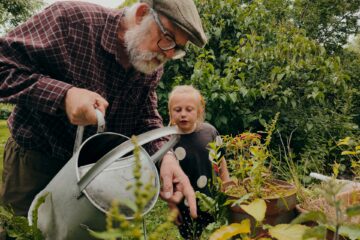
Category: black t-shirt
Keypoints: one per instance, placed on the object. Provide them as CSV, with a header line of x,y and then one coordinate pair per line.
x,y
193,155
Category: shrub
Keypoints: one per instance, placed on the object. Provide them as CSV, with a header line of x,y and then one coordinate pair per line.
x,y
257,63
5,111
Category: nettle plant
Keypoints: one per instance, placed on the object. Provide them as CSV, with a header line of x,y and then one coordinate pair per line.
x,y
118,226
17,227
247,155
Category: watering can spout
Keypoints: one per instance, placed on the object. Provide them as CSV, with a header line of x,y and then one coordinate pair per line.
x,y
348,185
105,178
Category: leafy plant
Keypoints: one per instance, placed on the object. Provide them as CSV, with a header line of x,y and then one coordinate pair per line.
x,y
353,152
226,232
18,227
330,22
247,157
257,209
5,110
299,229
14,12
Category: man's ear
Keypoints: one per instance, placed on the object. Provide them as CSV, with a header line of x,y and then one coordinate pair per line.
x,y
141,11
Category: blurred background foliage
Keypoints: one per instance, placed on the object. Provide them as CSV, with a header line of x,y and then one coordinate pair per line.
x,y
271,56
13,12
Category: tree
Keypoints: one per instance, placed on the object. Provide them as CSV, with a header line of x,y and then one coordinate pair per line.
x,y
259,62
13,12
330,22
354,45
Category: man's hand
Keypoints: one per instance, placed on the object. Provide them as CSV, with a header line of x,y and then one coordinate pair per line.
x,y
175,184
80,104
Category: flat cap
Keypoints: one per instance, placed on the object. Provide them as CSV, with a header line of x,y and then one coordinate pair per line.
x,y
183,14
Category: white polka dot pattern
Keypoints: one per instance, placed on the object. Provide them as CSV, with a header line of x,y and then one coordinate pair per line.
x,y
180,153
202,181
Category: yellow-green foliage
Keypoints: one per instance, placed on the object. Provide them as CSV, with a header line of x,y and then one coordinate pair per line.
x,y
257,209
226,232
127,3
118,227
353,151
247,154
17,227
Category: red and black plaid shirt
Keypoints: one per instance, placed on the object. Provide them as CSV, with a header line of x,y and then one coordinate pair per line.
x,y
71,44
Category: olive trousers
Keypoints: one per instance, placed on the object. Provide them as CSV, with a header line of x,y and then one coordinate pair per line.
x,y
26,173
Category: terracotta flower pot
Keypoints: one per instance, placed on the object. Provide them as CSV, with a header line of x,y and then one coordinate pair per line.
x,y
279,209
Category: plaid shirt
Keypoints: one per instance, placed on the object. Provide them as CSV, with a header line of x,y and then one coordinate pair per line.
x,y
72,44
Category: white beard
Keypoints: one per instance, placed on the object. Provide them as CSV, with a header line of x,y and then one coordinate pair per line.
x,y
142,60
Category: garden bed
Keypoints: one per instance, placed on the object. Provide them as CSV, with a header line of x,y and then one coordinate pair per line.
x,y
348,199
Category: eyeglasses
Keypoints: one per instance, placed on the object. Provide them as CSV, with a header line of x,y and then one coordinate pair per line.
x,y
167,42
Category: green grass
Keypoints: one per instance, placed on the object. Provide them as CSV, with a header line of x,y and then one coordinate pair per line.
x,y
4,134
157,216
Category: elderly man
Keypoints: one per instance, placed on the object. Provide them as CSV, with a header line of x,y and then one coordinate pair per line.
x,y
74,57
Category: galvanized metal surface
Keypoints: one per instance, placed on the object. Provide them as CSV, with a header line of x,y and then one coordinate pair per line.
x,y
80,195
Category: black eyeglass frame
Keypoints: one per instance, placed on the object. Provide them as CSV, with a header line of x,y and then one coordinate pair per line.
x,y
179,50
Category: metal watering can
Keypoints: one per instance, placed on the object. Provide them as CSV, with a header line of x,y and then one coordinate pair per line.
x,y
97,173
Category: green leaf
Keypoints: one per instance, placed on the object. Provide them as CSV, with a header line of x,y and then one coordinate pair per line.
x,y
233,97
353,211
206,203
240,200
345,141
351,231
348,153
315,216
226,232
5,214
256,209
288,231
280,76
318,232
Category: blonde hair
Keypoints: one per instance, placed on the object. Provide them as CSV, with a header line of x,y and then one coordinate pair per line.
x,y
189,89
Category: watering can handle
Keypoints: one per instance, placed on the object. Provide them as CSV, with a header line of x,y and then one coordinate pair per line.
x,y
127,147
80,130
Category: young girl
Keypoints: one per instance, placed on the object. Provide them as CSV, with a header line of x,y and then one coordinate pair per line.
x,y
186,110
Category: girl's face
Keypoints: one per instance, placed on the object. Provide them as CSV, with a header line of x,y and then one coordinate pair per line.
x,y
184,110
